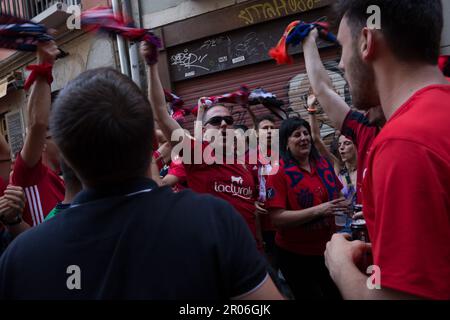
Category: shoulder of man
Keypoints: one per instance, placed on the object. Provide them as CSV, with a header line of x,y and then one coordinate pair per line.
x,y
357,124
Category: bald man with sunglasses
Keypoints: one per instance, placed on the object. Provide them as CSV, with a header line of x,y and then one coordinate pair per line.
x,y
232,181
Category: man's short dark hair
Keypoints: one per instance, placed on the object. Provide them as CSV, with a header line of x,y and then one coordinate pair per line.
x,y
266,117
412,28
103,125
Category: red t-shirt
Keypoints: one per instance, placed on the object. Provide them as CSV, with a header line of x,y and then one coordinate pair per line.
x,y
356,127
293,188
43,190
233,183
176,168
407,196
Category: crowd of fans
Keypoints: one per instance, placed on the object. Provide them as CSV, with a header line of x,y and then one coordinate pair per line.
x,y
145,222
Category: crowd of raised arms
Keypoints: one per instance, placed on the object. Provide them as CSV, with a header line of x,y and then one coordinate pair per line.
x,y
102,185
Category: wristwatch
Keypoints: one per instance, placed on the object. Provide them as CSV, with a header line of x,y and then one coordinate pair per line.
x,y
17,220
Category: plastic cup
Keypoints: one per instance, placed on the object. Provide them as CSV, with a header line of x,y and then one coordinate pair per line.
x,y
340,219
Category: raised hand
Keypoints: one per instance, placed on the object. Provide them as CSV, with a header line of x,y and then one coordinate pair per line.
x,y
12,203
47,52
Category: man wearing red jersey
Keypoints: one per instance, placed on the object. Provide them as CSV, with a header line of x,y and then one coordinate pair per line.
x,y
43,188
406,188
205,172
265,126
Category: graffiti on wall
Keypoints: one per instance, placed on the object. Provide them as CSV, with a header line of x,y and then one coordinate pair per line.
x,y
275,9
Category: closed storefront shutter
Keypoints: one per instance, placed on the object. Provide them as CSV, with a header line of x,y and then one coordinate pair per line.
x,y
288,82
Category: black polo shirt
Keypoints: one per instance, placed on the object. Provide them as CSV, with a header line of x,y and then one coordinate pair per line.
x,y
135,241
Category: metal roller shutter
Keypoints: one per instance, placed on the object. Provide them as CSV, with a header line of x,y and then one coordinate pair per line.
x,y
288,82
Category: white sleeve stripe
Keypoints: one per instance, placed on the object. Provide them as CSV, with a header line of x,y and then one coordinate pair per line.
x,y
35,210
30,205
38,198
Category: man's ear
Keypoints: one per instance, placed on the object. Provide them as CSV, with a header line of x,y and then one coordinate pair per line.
x,y
368,44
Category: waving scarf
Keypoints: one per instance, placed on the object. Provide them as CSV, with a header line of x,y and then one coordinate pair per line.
x,y
294,34
239,97
21,35
268,100
176,106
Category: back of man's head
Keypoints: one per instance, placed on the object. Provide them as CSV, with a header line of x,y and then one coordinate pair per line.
x,y
103,125
412,28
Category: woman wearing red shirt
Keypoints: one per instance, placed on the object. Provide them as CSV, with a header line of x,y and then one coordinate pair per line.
x,y
302,197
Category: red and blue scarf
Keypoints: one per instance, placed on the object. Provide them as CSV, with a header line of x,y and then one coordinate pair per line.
x,y
103,19
21,35
325,171
294,34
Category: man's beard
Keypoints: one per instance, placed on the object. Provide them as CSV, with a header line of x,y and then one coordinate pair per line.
x,y
376,117
362,84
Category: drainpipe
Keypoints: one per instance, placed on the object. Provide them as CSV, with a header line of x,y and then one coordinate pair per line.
x,y
133,47
124,66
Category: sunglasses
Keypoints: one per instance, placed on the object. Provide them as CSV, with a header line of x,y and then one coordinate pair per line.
x,y
217,121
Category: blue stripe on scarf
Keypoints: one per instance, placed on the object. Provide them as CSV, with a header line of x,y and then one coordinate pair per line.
x,y
326,174
22,35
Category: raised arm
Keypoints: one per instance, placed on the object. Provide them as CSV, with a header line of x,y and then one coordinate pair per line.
x,y
315,132
331,102
157,99
39,108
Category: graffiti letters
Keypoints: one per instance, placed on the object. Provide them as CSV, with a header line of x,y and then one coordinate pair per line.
x,y
249,46
188,60
211,43
275,9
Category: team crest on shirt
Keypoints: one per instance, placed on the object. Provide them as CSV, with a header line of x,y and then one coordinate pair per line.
x,y
237,180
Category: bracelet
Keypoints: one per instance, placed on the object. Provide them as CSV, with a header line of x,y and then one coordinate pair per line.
x,y
312,110
44,69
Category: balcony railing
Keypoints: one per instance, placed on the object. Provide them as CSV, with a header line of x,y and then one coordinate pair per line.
x,y
28,9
